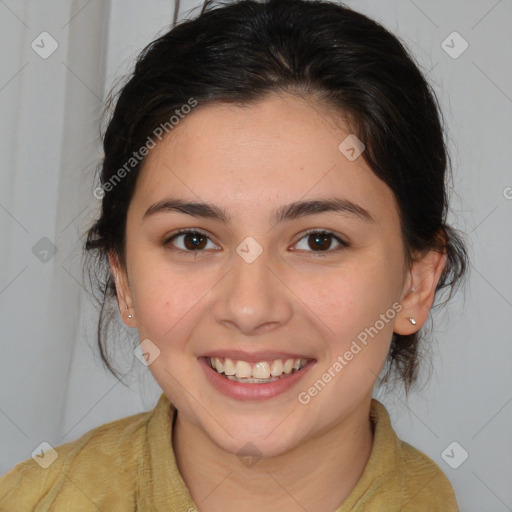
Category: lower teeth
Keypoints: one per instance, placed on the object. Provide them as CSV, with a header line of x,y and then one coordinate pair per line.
x,y
250,380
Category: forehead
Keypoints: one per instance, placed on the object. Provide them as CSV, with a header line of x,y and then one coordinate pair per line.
x,y
278,150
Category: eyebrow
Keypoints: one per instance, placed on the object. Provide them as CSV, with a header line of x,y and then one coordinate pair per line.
x,y
287,212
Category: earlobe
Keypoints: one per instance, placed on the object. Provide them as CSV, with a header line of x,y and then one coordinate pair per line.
x,y
419,292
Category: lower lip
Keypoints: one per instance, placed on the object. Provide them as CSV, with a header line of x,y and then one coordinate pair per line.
x,y
252,391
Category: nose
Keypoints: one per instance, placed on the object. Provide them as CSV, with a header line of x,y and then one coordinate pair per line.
x,y
253,298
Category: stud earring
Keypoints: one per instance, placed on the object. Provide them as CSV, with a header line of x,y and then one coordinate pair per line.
x,y
130,316
412,320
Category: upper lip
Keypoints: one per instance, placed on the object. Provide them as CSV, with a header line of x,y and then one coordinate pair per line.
x,y
254,357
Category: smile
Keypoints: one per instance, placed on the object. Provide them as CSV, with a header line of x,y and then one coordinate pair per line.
x,y
259,372
258,380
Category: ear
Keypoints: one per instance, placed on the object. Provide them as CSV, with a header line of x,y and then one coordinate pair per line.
x,y
123,292
419,291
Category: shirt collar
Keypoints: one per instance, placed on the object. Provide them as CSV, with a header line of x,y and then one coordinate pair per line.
x,y
162,485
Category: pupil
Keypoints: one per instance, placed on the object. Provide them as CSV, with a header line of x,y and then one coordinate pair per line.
x,y
322,241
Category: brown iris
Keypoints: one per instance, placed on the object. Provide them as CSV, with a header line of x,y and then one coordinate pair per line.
x,y
321,240
194,241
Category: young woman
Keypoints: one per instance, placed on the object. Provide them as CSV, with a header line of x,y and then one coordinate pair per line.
x,y
273,224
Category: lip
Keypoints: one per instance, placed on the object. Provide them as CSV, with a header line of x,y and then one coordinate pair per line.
x,y
254,357
240,391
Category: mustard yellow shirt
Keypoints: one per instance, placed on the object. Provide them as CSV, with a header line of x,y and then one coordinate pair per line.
x,y
129,465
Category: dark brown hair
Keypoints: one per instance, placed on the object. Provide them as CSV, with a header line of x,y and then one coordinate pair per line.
x,y
245,50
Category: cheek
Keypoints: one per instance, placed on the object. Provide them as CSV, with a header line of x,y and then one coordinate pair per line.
x,y
167,300
355,302
357,338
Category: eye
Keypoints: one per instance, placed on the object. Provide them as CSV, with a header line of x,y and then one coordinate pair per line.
x,y
315,240
320,240
191,240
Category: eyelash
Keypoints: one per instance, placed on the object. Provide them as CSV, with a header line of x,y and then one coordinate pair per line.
x,y
343,243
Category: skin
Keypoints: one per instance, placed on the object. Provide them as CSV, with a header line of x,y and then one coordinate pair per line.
x,y
293,298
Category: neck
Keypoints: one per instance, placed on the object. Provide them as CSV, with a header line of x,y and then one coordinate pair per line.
x,y
317,475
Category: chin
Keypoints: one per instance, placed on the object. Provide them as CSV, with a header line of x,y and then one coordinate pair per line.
x,y
264,440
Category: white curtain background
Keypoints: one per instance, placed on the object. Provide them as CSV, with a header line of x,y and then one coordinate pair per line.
x,y
53,387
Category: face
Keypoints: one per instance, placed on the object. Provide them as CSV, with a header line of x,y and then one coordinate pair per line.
x,y
268,271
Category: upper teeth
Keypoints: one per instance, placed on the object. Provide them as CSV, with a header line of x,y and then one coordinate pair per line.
x,y
259,370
